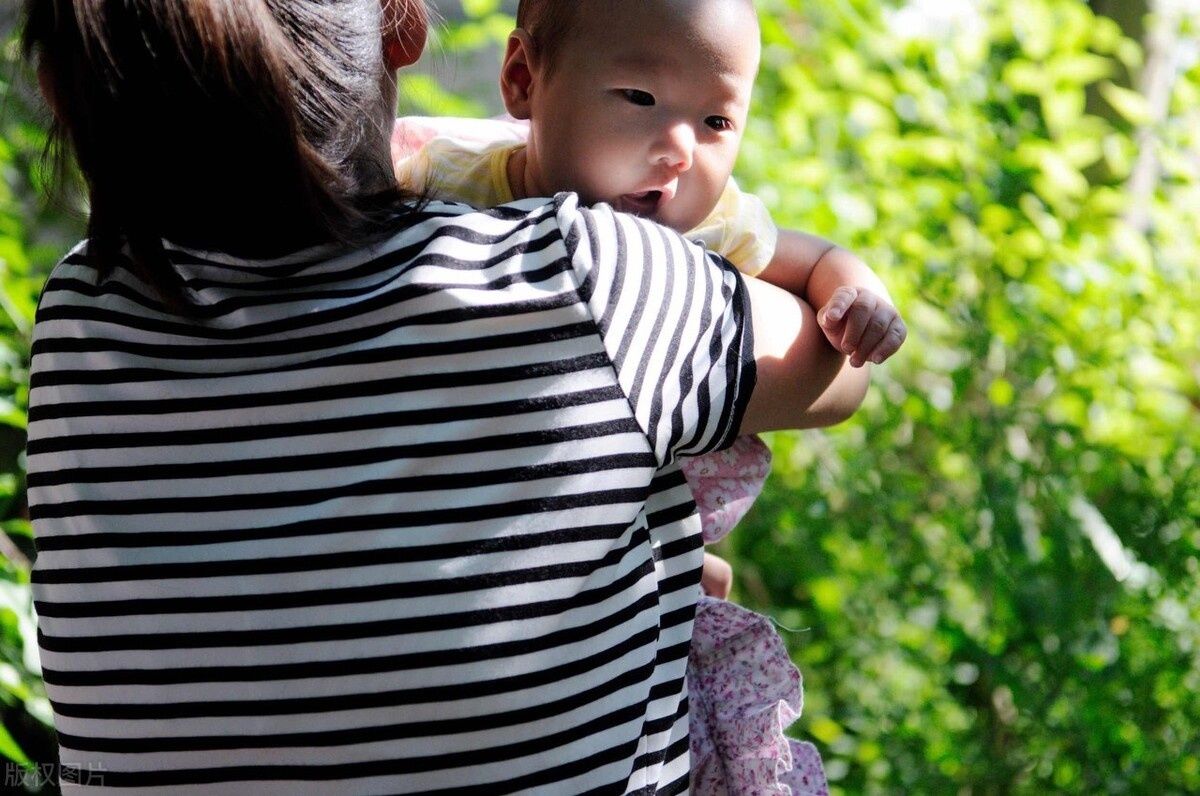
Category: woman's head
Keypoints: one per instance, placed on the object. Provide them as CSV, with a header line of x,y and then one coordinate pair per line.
x,y
252,126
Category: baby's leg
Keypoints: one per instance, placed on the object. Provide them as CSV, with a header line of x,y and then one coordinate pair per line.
x,y
716,579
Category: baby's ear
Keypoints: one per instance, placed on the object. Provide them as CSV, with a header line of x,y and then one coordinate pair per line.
x,y
518,74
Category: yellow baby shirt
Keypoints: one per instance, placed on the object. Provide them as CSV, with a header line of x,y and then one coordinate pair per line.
x,y
474,170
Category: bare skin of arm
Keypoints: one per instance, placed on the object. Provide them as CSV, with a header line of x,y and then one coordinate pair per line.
x,y
854,309
802,381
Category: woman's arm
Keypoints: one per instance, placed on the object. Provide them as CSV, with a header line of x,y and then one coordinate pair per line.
x,y
802,382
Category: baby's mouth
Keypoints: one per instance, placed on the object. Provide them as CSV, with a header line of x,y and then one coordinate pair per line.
x,y
643,203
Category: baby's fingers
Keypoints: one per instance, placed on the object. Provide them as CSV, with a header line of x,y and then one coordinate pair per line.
x,y
835,309
857,318
889,343
877,327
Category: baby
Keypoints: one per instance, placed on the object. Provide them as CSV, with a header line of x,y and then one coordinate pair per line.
x,y
642,104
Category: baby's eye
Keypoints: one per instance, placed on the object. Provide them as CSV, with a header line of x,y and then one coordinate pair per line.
x,y
637,96
719,123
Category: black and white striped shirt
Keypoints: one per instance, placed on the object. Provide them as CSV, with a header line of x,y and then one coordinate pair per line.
x,y
399,520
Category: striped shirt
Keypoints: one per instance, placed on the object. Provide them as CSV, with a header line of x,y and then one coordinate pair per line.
x,y
400,520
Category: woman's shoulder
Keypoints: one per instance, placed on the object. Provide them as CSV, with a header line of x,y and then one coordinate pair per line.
x,y
441,212
463,231
596,229
534,218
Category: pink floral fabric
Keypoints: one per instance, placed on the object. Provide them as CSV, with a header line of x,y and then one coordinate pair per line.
x,y
725,484
743,691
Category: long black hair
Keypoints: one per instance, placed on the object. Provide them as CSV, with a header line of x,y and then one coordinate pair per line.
x,y
254,127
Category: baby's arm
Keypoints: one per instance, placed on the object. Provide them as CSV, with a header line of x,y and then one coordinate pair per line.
x,y
854,309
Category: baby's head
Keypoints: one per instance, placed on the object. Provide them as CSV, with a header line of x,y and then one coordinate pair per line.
x,y
638,103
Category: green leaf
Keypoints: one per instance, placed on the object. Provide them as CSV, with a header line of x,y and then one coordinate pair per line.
x,y
1079,69
1132,106
10,750
480,8
428,98
1025,77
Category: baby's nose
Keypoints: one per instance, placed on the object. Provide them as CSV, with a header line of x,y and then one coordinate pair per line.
x,y
676,147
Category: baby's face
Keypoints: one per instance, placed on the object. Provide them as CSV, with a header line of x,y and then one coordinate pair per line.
x,y
646,104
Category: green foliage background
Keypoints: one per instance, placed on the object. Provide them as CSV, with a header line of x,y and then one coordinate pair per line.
x,y
990,576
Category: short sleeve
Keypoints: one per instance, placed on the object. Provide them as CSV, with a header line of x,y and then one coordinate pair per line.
x,y
740,229
675,322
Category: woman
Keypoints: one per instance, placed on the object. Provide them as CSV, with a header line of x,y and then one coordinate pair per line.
x,y
336,492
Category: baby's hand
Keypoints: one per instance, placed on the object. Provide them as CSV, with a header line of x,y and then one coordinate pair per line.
x,y
862,325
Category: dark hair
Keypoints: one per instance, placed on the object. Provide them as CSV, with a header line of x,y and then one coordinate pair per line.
x,y
254,127
549,23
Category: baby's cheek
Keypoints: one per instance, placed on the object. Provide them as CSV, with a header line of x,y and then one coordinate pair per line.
x,y
601,174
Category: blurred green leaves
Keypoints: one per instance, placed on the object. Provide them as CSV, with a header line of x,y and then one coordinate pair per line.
x,y
33,235
995,560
